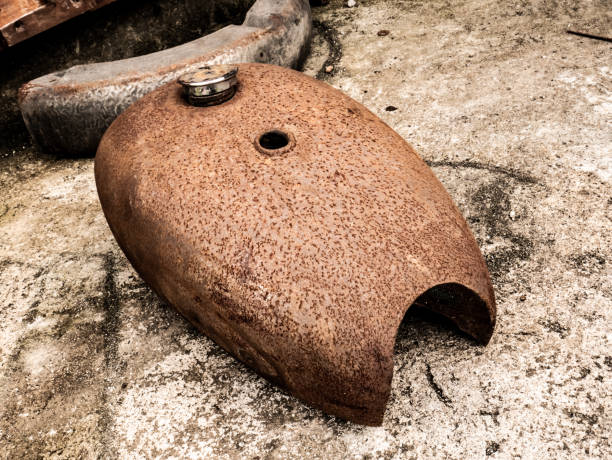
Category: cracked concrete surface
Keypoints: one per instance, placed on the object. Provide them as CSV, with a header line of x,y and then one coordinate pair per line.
x,y
515,118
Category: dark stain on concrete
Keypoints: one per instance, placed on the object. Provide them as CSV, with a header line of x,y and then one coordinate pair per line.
x,y
32,313
110,305
556,327
4,211
493,413
499,260
492,209
588,420
492,448
330,35
584,371
110,332
588,262
492,201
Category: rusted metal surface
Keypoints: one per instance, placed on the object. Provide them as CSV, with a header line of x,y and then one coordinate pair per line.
x,y
300,256
22,19
67,112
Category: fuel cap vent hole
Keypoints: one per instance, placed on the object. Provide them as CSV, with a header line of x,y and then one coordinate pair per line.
x,y
274,142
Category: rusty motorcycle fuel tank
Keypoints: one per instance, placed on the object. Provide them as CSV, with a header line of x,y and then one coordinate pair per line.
x,y
292,226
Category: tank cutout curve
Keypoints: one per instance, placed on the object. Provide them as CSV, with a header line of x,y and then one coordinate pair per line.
x,y
463,307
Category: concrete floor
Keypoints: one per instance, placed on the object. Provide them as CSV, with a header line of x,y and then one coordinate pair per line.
x,y
515,118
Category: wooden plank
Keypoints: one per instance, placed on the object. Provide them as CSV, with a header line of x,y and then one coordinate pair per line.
x,y
22,19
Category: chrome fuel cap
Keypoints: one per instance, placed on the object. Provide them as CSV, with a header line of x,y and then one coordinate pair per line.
x,y
210,84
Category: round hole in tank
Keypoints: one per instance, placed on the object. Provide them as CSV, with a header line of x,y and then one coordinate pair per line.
x,y
274,142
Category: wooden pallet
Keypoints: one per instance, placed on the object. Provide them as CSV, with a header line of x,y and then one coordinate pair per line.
x,y
22,19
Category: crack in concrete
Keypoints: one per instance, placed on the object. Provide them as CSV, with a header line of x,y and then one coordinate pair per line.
x,y
515,174
436,388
